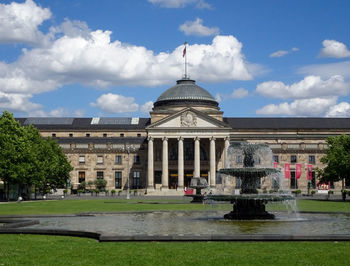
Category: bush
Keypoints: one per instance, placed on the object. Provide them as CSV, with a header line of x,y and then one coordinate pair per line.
x,y
330,192
313,192
100,184
296,192
271,191
264,191
113,192
120,192
65,191
80,191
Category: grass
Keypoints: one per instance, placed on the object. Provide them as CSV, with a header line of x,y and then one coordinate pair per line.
x,y
117,205
57,250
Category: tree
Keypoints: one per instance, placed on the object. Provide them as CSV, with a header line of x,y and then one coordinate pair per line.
x,y
337,160
27,159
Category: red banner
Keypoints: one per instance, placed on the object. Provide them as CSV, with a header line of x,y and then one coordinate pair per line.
x,y
275,164
297,170
309,172
287,170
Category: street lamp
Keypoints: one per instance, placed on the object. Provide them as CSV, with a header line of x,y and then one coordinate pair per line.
x,y
128,149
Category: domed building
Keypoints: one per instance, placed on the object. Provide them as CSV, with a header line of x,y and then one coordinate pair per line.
x,y
186,136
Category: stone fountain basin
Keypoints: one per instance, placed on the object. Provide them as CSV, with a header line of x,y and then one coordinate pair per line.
x,y
257,197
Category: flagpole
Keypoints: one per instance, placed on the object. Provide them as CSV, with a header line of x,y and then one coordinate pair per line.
x,y
185,60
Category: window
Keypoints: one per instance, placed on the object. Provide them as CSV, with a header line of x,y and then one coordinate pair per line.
x,y
293,158
99,175
81,176
275,158
100,159
138,135
136,159
136,179
118,159
81,158
87,135
238,159
53,135
121,135
70,135
293,180
312,159
105,135
118,179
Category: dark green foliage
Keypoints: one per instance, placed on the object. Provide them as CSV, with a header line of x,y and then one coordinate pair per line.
x,y
337,159
26,159
100,184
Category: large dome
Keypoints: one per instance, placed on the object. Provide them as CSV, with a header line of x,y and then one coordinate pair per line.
x,y
186,92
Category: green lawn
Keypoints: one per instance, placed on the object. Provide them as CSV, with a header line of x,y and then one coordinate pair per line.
x,y
56,250
116,205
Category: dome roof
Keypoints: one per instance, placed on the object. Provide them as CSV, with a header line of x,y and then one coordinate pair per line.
x,y
186,91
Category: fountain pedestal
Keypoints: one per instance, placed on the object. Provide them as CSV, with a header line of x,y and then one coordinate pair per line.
x,y
248,209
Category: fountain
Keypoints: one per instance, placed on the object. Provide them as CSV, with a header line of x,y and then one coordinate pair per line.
x,y
249,205
198,183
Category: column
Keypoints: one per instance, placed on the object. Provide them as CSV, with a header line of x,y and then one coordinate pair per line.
x,y
197,170
165,172
180,160
150,181
227,144
212,162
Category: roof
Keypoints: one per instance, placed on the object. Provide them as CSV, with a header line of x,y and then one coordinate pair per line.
x,y
288,123
186,90
141,123
91,123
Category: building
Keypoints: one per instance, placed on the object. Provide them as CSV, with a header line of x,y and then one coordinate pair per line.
x,y
185,136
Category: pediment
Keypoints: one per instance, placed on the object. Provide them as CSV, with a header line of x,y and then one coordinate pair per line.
x,y
188,118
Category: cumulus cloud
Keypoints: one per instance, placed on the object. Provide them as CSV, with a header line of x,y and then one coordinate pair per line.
x,y
16,102
281,53
19,22
147,107
196,28
340,110
304,107
306,88
200,4
75,54
114,103
236,94
335,49
327,70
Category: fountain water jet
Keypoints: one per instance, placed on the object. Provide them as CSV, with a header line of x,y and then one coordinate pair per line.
x,y
249,205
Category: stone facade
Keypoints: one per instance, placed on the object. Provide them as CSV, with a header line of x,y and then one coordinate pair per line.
x,y
184,137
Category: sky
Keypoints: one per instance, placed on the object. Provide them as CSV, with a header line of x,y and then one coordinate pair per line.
x,y
87,58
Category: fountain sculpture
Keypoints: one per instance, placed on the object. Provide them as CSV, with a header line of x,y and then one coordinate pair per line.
x,y
249,163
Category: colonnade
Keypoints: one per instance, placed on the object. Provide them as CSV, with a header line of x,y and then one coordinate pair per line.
x,y
180,159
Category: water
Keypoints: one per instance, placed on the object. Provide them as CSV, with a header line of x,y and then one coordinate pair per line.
x,y
199,223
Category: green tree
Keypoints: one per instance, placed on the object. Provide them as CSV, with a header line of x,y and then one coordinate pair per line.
x,y
337,160
27,159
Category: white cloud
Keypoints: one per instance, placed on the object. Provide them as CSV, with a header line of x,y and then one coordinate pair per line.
x,y
279,53
304,107
200,4
340,110
19,22
196,28
327,70
114,103
73,54
147,107
15,102
309,87
236,94
332,48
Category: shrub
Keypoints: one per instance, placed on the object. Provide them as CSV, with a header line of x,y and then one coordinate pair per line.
x,y
113,192
264,191
100,184
330,192
271,191
65,191
313,192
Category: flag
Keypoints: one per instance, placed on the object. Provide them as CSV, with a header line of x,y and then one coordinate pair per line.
x,y
297,170
184,52
309,172
275,164
287,170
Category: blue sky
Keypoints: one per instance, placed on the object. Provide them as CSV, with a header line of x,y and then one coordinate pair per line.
x,y
114,58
